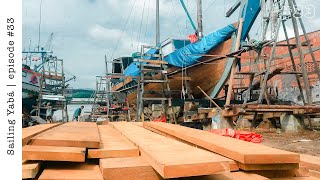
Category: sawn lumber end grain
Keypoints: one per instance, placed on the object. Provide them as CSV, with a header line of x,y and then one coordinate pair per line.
x,y
129,168
53,153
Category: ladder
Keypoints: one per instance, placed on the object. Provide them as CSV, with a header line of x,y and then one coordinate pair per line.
x,y
115,97
153,72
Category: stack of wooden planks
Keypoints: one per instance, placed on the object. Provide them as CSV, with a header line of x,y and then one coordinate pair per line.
x,y
66,142
153,151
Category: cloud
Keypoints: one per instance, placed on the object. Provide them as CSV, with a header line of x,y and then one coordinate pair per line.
x,y
86,31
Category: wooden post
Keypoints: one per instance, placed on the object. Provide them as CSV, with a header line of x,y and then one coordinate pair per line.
x,y
302,62
234,66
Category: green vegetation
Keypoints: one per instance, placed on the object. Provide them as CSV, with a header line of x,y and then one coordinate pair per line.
x,y
82,93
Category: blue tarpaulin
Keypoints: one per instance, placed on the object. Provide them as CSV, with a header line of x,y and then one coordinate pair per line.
x,y
183,56
133,68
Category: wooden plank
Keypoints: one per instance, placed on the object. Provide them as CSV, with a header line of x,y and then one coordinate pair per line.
x,y
297,178
232,164
53,153
170,158
71,134
310,162
230,176
72,172
241,151
30,132
30,169
251,167
314,173
130,168
113,144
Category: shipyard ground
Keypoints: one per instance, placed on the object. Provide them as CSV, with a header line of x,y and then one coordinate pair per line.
x,y
305,141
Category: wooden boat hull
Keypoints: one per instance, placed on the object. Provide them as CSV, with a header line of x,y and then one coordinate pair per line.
x,y
205,75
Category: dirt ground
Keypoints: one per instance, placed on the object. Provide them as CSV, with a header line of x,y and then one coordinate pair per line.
x,y
306,142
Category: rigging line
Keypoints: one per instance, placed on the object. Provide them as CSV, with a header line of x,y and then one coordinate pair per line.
x,y
122,31
39,26
147,23
176,18
209,6
138,38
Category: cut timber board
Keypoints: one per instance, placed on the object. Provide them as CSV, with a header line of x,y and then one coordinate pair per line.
x,y
53,153
30,169
310,162
113,144
129,168
30,132
71,134
241,151
72,172
251,167
314,173
230,176
297,178
170,158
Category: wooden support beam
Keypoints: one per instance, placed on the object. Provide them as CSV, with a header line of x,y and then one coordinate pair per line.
x,y
209,98
234,66
241,151
180,78
113,144
53,153
71,134
30,132
129,168
170,158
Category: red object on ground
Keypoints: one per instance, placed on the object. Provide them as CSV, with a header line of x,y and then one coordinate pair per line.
x,y
242,135
160,119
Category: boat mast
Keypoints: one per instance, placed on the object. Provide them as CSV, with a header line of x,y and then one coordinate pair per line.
x,y
157,23
199,19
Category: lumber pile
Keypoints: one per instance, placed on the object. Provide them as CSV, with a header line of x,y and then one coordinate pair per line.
x,y
170,158
66,142
153,151
249,156
113,145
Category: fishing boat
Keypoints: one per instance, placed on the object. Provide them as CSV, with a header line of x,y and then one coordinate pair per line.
x,y
206,62
44,83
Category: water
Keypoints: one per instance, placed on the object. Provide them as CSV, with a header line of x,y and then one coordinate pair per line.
x,y
71,108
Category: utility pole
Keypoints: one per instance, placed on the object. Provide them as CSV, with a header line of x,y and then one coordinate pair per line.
x,y
157,23
199,18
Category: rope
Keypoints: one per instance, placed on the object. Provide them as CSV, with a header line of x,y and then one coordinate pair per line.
x,y
138,39
189,17
176,18
147,23
209,6
122,31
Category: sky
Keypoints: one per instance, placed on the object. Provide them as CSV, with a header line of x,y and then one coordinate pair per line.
x,y
85,31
